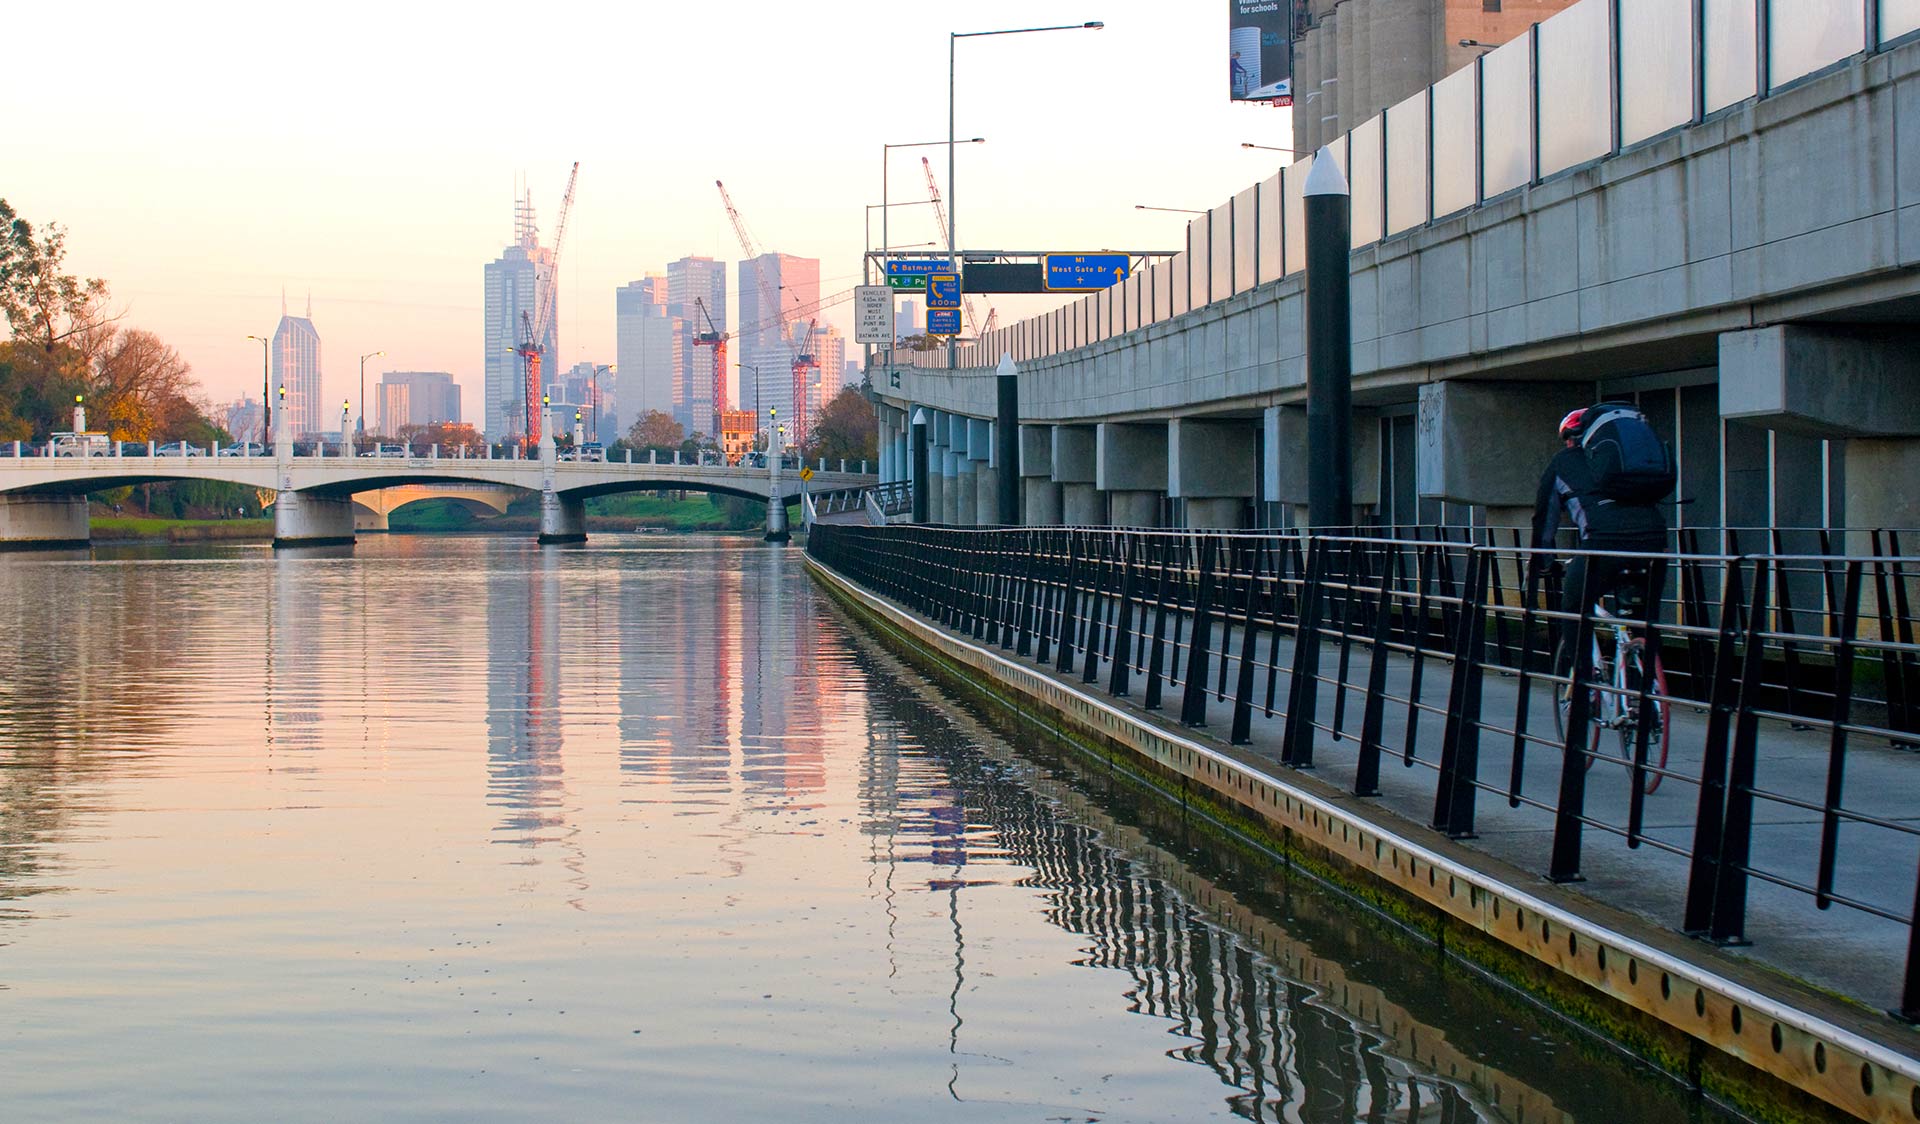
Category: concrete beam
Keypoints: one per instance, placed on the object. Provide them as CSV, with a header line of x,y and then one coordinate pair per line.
x,y
33,521
1073,454
1208,458
1822,382
1286,456
308,519
979,439
1131,457
1488,443
1036,450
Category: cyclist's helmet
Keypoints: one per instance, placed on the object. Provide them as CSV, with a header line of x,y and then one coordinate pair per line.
x,y
1570,425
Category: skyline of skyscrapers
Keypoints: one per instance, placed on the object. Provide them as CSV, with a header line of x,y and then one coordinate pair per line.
x,y
516,283
295,366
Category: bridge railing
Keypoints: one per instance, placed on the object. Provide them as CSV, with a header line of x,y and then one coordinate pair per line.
x,y
1444,657
1598,77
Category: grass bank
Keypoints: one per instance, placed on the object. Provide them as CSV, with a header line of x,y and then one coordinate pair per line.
x,y
130,528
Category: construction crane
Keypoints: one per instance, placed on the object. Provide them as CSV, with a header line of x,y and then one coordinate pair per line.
x,y
533,327
717,340
768,298
940,216
803,362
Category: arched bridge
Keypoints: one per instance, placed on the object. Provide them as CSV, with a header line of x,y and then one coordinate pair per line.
x,y
43,499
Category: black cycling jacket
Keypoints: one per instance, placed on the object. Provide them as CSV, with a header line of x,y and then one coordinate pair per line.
x,y
1600,523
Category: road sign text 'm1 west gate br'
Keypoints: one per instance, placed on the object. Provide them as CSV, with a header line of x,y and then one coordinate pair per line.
x,y
1075,273
943,321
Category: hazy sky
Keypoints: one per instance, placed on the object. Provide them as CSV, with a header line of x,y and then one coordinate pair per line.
x,y
203,156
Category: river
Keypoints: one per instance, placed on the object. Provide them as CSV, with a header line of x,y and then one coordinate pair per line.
x,y
464,828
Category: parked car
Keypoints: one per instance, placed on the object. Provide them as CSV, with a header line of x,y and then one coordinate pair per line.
x,y
589,451
386,451
180,449
244,449
135,449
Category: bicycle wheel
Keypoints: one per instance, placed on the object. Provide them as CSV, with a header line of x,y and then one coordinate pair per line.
x,y
1563,708
1658,722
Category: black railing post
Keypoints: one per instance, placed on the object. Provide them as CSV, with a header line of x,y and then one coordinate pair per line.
x,y
1644,704
1837,744
1366,777
1709,822
1193,703
1156,651
1303,685
1460,747
1242,732
1123,622
1728,925
1069,598
1571,808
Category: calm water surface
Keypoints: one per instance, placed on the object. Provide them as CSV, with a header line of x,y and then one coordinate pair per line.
x,y
464,828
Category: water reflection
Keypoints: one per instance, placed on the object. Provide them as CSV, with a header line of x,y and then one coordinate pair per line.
x,y
658,795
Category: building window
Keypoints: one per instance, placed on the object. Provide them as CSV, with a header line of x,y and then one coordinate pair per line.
x,y
1490,5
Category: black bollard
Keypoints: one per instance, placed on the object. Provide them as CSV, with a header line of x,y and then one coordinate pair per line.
x,y
1006,436
1329,345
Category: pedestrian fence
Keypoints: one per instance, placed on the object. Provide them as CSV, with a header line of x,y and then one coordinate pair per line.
x,y
1434,650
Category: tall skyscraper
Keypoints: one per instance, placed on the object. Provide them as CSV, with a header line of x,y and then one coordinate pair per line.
x,y
906,318
415,398
689,279
647,356
830,351
766,344
296,366
516,283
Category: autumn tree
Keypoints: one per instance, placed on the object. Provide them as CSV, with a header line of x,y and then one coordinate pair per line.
x,y
656,430
450,436
140,389
847,429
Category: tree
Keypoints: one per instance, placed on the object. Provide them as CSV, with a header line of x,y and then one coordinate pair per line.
x,y
847,429
450,436
656,430
43,306
140,389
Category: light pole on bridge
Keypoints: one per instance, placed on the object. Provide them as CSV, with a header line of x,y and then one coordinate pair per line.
x,y
266,392
363,389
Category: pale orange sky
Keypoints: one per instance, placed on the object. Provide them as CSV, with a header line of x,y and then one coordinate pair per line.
x,y
202,156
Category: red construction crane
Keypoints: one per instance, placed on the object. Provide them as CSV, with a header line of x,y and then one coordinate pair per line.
x,y
768,298
717,340
533,328
803,361
940,216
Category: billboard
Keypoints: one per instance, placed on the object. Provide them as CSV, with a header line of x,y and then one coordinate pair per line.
x,y
1260,48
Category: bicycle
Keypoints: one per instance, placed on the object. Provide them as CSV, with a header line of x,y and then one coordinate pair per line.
x,y
1613,700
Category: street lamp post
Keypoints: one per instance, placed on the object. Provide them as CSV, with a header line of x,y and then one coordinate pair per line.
x,y
346,408
1270,148
266,394
595,393
363,388
885,175
1175,210
953,203
283,414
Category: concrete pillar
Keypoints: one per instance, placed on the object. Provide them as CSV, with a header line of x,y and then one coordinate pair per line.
x,y
1873,499
1286,459
986,509
1082,505
563,517
979,503
1041,496
949,486
33,521
1213,466
368,520
307,519
1130,465
966,491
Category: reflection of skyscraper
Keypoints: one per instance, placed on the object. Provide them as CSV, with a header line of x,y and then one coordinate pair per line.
x,y
516,283
296,366
523,701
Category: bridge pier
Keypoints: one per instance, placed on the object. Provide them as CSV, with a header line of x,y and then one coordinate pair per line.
x,y
1073,472
1040,498
1130,465
1491,452
307,519
563,518
1211,466
370,521
36,521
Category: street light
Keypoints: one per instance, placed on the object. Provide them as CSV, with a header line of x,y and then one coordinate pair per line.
x,y
266,398
283,408
363,387
595,392
953,191
1175,210
1478,43
346,407
1269,148
885,177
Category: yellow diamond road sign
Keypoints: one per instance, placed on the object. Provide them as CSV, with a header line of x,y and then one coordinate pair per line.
x,y
806,474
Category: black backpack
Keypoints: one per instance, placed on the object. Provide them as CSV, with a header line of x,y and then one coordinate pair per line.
x,y
1629,462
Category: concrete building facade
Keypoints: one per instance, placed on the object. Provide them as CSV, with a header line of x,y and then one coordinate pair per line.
x,y
766,344
415,398
688,280
646,357
516,284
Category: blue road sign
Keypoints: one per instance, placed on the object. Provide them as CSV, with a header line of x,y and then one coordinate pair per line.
x,y
943,321
943,290
1073,273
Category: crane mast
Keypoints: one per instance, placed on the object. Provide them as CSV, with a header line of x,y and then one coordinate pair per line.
x,y
534,327
768,298
803,361
716,339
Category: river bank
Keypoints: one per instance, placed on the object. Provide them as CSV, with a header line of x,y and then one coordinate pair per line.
x,y
126,528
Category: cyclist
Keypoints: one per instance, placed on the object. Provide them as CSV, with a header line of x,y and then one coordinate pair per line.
x,y
1602,521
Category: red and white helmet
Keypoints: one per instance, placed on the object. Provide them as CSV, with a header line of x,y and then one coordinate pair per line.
x,y
1570,424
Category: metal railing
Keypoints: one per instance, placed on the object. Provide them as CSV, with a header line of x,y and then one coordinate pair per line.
x,y
1438,654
